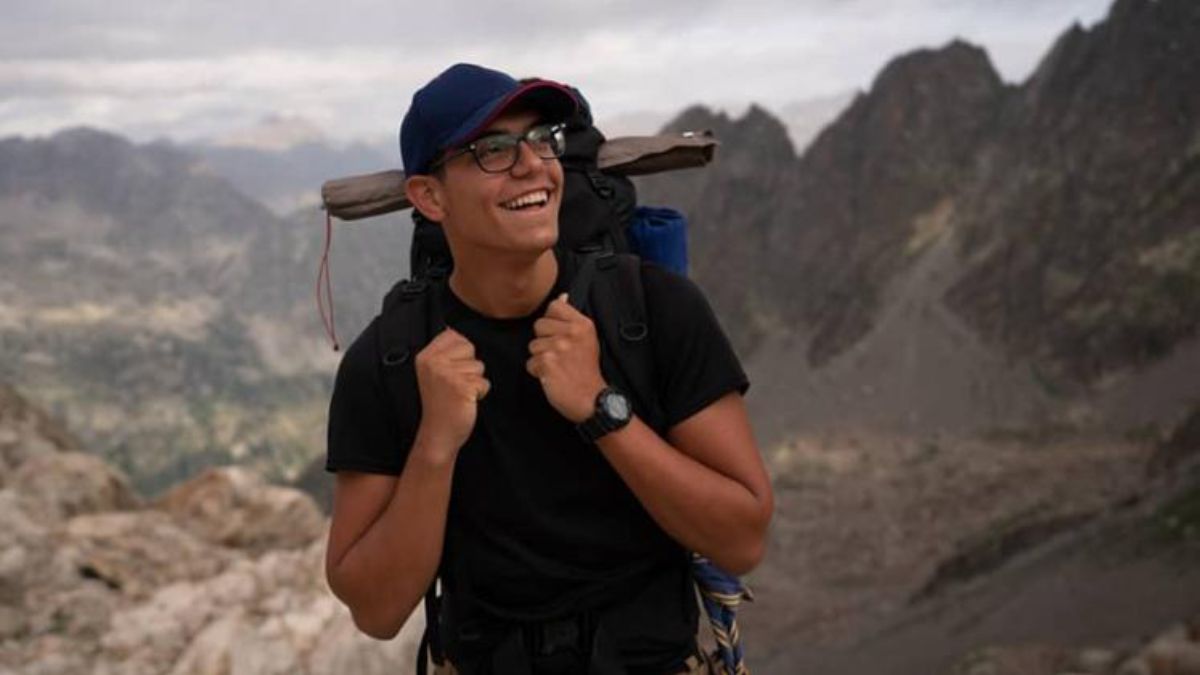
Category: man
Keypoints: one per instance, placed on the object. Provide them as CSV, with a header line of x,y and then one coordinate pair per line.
x,y
557,522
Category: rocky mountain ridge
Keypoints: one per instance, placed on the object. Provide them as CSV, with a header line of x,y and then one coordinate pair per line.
x,y
1050,227
939,258
168,318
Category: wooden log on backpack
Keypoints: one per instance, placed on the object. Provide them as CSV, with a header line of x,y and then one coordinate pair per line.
x,y
374,194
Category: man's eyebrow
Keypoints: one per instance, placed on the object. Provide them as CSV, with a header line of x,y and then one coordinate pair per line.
x,y
492,131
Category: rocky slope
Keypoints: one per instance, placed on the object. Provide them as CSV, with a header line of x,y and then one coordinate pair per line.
x,y
948,554
224,574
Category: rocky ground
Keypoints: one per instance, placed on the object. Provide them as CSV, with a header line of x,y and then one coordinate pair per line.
x,y
997,555
976,555
223,575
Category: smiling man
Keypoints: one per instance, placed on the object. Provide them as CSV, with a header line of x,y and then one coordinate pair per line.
x,y
558,522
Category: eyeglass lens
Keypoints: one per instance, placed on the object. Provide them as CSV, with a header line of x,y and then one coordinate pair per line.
x,y
500,152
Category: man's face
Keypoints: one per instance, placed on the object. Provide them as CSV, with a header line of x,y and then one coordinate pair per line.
x,y
514,211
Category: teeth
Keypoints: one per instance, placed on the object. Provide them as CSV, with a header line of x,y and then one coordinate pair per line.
x,y
528,199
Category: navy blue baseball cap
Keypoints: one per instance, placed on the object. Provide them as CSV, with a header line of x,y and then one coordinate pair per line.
x,y
459,104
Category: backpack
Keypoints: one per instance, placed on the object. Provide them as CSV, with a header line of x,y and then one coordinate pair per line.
x,y
600,240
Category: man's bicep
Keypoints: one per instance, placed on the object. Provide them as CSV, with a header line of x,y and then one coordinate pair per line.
x,y
358,501
719,436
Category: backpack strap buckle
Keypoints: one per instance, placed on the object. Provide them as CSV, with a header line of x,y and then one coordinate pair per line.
x,y
412,288
553,637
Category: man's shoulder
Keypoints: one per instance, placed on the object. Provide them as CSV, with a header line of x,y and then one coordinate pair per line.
x,y
670,292
361,359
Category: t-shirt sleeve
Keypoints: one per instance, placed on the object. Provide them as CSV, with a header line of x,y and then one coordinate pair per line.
x,y
363,433
695,363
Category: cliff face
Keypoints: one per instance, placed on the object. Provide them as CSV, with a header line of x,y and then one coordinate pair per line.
x,y
1082,222
1070,205
786,243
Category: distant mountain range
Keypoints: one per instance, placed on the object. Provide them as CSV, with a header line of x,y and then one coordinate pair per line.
x,y
166,316
289,178
950,253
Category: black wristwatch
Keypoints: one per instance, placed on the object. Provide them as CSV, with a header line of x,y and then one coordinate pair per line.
x,y
613,412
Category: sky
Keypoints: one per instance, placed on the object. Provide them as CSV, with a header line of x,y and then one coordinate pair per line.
x,y
205,69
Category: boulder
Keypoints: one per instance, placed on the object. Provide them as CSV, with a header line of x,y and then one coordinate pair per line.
x,y
65,484
233,506
26,431
137,552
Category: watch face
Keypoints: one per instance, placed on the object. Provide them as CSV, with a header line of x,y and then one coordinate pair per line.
x,y
616,406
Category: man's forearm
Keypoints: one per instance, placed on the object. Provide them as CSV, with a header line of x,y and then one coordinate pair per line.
x,y
384,574
701,508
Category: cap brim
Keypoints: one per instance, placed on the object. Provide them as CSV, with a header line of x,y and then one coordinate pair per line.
x,y
555,101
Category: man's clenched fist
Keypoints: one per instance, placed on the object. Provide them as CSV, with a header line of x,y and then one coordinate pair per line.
x,y
451,383
566,360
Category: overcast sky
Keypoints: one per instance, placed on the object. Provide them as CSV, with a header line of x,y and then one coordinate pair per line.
x,y
189,69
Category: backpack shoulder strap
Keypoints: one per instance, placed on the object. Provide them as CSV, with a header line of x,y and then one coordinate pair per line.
x,y
618,307
617,303
411,316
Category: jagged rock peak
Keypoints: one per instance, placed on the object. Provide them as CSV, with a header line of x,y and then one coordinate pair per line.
x,y
757,128
697,118
1137,38
957,66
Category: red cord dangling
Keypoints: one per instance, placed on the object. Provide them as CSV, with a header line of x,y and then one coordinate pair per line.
x,y
323,275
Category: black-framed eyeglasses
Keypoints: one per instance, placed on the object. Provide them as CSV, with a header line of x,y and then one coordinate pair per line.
x,y
497,153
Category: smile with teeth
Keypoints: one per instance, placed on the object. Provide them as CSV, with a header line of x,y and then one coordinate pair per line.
x,y
534,198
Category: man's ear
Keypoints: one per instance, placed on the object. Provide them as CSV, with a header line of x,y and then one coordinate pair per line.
x,y
425,194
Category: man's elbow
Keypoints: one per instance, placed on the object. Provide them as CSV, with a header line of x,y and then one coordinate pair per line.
x,y
750,551
743,559
371,618
380,628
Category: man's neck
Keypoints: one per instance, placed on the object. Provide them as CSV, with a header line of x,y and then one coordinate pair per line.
x,y
505,288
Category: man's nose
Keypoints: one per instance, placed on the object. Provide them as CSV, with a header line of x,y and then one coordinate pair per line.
x,y
527,160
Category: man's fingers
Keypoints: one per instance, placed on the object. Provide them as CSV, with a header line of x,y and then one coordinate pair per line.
x,y
480,388
474,387
534,367
548,325
546,344
560,308
459,351
471,367
451,343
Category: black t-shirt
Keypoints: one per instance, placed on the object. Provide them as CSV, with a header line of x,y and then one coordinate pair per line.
x,y
539,523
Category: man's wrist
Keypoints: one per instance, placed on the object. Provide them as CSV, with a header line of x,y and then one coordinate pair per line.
x,y
587,405
433,448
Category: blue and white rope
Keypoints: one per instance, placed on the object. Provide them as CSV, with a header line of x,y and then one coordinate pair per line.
x,y
721,594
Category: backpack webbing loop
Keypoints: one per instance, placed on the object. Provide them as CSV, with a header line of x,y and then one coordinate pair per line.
x,y
600,183
396,357
634,332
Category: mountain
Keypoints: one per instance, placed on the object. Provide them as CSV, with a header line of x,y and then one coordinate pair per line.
x,y
1082,222
289,177
806,119
950,254
956,253
165,316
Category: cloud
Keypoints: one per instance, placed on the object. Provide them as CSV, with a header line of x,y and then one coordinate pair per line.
x,y
197,68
